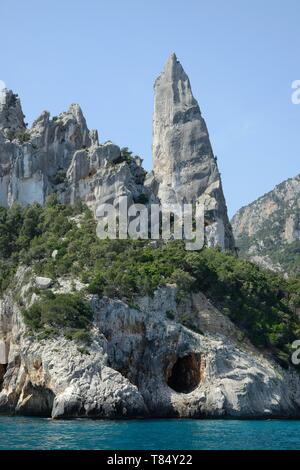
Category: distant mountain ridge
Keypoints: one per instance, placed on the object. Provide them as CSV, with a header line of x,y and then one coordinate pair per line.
x,y
267,231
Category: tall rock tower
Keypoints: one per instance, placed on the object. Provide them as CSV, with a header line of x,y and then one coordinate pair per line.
x,y
11,114
185,169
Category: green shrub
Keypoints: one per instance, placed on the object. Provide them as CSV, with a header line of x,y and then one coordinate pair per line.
x,y
184,282
24,137
63,313
125,156
59,177
260,302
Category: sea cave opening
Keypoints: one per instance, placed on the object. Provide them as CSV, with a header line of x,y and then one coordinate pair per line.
x,y
3,369
187,373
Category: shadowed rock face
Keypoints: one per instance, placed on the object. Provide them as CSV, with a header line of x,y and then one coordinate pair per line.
x,y
184,165
185,375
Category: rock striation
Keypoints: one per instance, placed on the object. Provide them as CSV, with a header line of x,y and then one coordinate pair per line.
x,y
59,155
164,355
140,363
268,230
184,166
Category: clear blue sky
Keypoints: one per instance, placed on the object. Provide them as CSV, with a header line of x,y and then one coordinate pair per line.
x,y
241,57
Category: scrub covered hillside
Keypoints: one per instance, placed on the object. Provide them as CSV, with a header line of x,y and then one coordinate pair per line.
x,y
262,303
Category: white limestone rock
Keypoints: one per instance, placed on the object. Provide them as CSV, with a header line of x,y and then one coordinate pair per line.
x,y
43,282
61,155
183,161
96,176
3,352
265,229
11,114
142,362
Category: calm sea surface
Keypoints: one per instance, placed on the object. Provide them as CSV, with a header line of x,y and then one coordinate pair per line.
x,y
38,433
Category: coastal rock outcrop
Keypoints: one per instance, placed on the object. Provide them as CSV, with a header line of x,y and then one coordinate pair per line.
x,y
99,175
184,165
163,355
143,360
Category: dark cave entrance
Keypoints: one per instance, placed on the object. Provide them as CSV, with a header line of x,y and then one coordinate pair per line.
x,y
187,373
3,369
37,401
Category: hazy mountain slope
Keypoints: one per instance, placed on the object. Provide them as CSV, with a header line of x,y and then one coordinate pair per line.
x,y
268,230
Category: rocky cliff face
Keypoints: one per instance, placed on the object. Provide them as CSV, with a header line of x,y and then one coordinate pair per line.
x,y
161,357
268,230
60,155
184,165
142,361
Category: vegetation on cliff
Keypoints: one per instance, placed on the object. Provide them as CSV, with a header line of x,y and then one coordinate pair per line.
x,y
63,313
260,302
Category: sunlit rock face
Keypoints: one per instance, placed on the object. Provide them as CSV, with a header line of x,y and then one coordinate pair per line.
x,y
11,114
184,165
32,159
97,175
140,363
268,230
61,155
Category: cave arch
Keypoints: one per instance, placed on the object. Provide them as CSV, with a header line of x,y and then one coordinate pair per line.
x,y
186,373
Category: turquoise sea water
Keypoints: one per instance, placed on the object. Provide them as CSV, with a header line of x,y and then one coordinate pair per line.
x,y
38,433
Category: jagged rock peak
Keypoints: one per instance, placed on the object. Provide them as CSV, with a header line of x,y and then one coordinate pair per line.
x,y
60,154
180,137
184,166
11,114
174,73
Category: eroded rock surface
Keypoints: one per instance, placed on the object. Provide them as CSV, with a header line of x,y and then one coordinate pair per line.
x,y
141,362
184,165
268,230
61,155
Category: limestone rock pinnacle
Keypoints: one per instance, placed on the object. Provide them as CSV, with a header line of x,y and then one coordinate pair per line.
x,y
184,165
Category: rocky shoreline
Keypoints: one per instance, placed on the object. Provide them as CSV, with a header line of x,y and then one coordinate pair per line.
x,y
141,363
161,356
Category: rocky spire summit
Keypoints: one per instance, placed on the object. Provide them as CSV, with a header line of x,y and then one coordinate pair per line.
x,y
184,166
11,114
